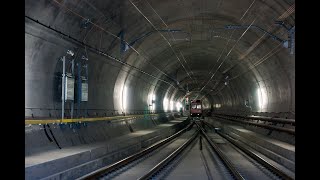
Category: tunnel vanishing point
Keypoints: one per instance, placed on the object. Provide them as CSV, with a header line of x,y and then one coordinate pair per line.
x,y
109,86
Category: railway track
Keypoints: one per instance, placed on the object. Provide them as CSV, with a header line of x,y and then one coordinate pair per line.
x,y
192,153
269,169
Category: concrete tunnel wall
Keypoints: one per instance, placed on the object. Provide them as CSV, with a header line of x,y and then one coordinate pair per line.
x,y
43,50
274,79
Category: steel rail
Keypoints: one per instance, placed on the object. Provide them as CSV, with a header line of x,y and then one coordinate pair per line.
x,y
254,156
169,158
270,127
263,118
221,155
105,170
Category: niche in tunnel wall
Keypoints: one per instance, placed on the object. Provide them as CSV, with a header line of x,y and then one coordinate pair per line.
x,y
165,104
171,105
178,105
132,100
152,101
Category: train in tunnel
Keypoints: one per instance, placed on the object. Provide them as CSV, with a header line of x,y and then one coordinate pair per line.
x,y
196,108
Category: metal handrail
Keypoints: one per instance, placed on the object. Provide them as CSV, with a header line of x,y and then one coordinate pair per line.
x,y
262,118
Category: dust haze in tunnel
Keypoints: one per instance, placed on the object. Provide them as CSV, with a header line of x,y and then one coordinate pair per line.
x,y
223,67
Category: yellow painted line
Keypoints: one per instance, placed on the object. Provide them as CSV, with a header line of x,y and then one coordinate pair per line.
x,y
48,121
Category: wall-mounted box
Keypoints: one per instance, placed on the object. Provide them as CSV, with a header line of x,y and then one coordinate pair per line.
x,y
84,91
69,88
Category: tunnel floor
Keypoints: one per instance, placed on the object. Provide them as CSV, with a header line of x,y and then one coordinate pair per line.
x,y
198,160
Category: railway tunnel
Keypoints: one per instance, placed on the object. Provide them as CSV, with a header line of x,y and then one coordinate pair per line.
x,y
108,86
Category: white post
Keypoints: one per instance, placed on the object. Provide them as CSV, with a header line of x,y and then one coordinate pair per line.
x,y
72,102
63,86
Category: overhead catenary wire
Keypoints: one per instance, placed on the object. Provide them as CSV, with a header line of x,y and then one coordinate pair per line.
x,y
286,14
247,10
226,47
288,11
260,61
96,9
174,40
170,35
189,24
206,83
188,65
98,51
199,92
227,55
110,33
161,36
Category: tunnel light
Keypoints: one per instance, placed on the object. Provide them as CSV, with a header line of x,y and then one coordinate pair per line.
x,y
171,105
217,105
151,101
124,98
178,105
165,104
262,98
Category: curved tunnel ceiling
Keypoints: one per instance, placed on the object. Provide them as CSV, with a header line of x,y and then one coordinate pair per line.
x,y
184,43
